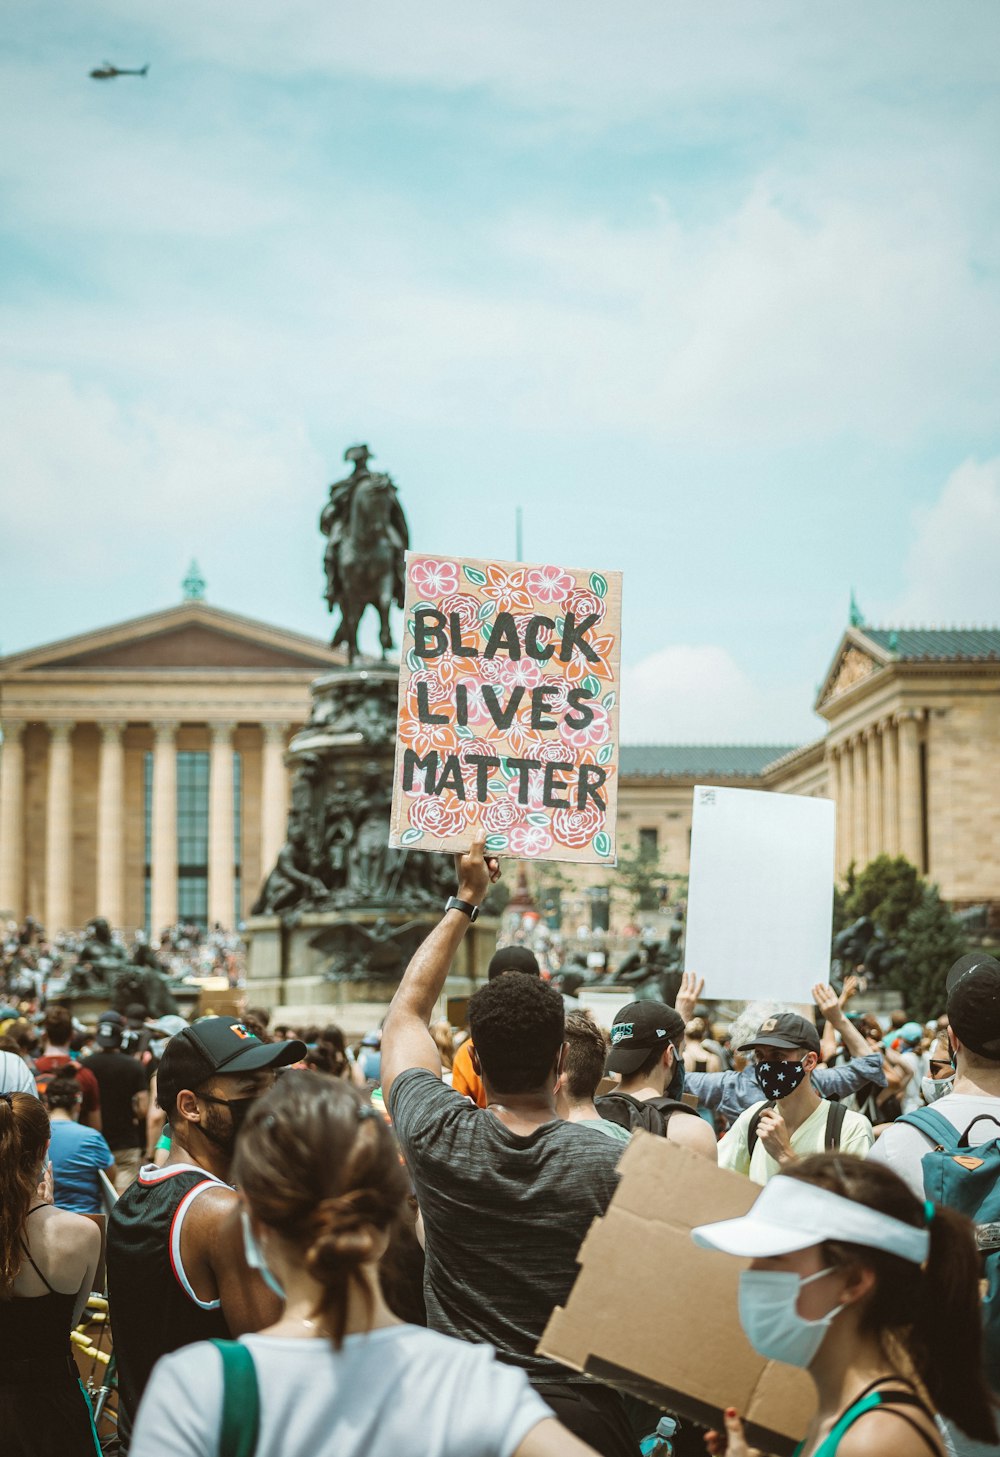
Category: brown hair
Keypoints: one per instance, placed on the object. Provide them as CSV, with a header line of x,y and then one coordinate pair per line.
x,y
932,1314
322,1169
586,1054
58,1026
24,1133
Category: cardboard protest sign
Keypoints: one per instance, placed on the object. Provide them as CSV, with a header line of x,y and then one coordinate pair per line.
x,y
760,894
666,1328
508,709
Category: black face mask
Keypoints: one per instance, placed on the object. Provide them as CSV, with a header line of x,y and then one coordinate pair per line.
x,y
675,1088
778,1079
238,1110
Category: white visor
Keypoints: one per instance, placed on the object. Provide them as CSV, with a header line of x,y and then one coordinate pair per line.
x,y
790,1214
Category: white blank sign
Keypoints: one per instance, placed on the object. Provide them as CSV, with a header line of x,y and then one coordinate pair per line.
x,y
760,898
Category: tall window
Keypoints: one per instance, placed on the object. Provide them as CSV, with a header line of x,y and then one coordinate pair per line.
x,y
147,871
237,839
192,837
649,844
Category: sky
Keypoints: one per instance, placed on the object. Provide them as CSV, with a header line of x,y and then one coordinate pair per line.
x,y
710,290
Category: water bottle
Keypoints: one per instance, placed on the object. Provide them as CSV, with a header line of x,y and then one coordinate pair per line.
x,y
657,1444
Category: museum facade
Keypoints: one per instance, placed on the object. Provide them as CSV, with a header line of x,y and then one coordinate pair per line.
x,y
143,774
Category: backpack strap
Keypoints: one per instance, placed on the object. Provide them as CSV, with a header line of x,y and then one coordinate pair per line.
x,y
835,1117
240,1401
752,1129
935,1126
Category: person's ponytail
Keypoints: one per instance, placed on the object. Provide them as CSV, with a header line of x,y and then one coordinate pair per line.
x,y
24,1132
345,1240
947,1335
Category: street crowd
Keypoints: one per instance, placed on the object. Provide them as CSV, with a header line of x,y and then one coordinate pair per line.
x,y
313,1248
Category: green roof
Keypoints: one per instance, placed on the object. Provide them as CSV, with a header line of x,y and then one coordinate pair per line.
x,y
720,761
930,644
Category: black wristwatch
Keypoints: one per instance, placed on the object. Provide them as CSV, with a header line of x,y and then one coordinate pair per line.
x,y
454,904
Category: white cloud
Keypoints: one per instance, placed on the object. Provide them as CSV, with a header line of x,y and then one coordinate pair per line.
x,y
951,567
700,694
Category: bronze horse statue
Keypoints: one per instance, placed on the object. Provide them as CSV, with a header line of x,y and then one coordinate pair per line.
x,y
365,560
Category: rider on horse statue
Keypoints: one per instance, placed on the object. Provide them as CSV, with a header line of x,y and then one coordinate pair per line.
x,y
367,537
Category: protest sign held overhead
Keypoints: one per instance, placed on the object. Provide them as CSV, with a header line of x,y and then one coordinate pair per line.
x,y
760,893
508,709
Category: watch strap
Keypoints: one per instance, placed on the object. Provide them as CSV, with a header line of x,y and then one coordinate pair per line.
x,y
466,907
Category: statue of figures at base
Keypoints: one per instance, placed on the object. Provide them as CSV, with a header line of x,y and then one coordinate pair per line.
x,y
291,883
367,536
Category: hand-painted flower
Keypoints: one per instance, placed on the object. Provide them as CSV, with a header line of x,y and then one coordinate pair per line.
x,y
433,578
584,604
575,828
554,751
465,608
548,584
596,731
507,589
475,706
422,738
438,691
530,840
580,666
500,815
536,789
438,817
520,672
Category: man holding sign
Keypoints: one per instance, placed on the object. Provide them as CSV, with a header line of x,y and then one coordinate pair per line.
x,y
507,1192
508,709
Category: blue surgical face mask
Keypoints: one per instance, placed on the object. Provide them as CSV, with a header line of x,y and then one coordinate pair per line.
x,y
255,1257
768,1301
933,1088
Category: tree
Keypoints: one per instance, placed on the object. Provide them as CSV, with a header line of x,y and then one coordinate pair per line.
x,y
933,941
642,875
888,890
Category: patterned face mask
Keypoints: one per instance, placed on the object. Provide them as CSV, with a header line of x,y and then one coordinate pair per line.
x,y
778,1079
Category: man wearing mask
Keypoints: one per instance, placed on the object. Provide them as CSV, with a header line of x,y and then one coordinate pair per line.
x,y
791,1120
177,1267
647,1043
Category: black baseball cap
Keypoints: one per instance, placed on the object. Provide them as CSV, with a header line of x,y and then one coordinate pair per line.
x,y
109,1029
973,988
640,1028
786,1030
513,958
217,1045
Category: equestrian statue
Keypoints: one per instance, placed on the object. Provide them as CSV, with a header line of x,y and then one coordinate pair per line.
x,y
367,536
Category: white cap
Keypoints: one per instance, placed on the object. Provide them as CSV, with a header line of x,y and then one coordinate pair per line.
x,y
790,1214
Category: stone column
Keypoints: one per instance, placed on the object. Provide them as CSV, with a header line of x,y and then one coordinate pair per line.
x,y
12,819
163,850
221,849
59,831
110,823
845,808
273,796
890,789
911,811
874,746
860,757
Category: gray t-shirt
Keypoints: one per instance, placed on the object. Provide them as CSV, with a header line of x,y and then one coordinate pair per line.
x,y
504,1215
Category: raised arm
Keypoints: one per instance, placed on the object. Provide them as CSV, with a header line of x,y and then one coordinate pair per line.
x,y
830,1007
406,1038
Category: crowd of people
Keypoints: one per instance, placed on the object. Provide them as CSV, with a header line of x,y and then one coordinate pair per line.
x,y
314,1247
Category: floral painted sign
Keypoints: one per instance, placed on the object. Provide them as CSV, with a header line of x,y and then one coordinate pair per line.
x,y
508,709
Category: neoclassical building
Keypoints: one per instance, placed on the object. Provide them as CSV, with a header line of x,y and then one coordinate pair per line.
x,y
142,772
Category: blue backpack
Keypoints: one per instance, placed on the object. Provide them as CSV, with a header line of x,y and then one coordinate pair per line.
x,y
966,1176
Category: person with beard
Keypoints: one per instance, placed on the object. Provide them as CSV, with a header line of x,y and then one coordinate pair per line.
x,y
177,1270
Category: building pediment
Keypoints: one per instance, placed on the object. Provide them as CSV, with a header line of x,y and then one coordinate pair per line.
x,y
855,661
186,638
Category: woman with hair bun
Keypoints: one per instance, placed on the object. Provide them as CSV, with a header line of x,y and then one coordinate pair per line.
x,y
338,1375
48,1260
876,1294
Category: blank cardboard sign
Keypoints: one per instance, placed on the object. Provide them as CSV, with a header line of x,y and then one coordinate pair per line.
x,y
760,896
654,1315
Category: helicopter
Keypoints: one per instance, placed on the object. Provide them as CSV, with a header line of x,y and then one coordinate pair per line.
x,y
108,72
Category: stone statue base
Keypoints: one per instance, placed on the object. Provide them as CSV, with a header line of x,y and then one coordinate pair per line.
x,y
341,914
291,976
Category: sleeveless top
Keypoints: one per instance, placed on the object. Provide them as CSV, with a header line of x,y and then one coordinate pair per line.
x,y
154,1309
869,1400
34,1331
